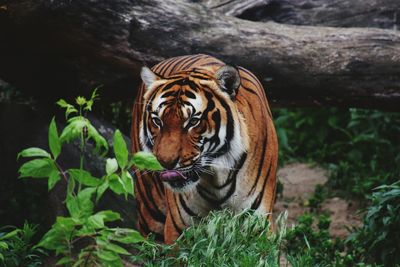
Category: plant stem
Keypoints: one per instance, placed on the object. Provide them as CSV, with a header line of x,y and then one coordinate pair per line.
x,y
82,154
63,174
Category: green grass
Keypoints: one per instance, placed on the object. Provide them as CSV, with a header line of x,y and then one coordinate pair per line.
x,y
220,239
225,239
17,248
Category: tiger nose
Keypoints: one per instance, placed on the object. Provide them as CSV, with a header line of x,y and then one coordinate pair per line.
x,y
168,164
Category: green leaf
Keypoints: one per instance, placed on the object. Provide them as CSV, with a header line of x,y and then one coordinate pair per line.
x,y
94,93
80,261
111,166
101,189
107,255
82,205
97,220
146,161
116,184
37,168
116,249
10,234
132,237
116,262
69,108
127,180
72,204
85,199
53,179
86,230
109,215
60,232
62,103
34,152
3,246
74,129
100,142
84,177
89,105
70,186
120,150
80,100
64,261
283,139
54,140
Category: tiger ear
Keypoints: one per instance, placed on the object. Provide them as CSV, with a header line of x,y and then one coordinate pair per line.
x,y
148,77
228,79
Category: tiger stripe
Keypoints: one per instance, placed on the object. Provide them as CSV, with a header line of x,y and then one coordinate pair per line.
x,y
229,157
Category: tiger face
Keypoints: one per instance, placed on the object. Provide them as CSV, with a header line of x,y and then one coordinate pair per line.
x,y
190,122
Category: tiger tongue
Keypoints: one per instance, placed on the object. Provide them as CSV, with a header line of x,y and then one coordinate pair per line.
x,y
171,176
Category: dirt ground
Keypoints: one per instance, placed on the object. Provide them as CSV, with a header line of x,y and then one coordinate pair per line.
x,y
299,181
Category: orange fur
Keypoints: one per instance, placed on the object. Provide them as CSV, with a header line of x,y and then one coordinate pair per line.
x,y
250,184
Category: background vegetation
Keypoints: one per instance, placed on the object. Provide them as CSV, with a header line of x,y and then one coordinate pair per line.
x,y
360,148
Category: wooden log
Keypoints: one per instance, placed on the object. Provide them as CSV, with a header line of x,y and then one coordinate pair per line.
x,y
81,44
333,13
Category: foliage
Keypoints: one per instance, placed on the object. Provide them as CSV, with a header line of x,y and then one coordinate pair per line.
x,y
310,244
83,238
146,161
16,248
320,194
220,239
360,147
380,233
316,244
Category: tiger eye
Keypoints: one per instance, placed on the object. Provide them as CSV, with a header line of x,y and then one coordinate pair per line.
x,y
156,121
193,122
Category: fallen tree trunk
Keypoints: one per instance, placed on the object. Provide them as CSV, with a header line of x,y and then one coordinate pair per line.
x,y
80,44
383,14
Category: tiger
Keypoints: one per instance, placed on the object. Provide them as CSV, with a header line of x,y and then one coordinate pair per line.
x,y
210,126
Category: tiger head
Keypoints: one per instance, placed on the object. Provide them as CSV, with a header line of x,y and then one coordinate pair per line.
x,y
191,123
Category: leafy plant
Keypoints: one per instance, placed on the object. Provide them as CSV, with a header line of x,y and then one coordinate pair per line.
x,y
146,161
83,238
380,233
309,244
360,147
303,239
320,194
16,247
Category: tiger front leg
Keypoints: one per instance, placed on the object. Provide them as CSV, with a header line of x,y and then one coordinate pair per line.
x,y
175,221
171,231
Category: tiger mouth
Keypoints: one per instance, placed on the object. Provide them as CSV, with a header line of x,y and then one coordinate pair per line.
x,y
177,179
172,175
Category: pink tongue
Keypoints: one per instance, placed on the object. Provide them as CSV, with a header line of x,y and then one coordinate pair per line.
x,y
171,176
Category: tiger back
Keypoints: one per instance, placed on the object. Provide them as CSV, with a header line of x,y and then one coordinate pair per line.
x,y
211,128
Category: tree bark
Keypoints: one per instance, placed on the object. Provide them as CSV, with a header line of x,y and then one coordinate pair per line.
x,y
333,13
72,46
